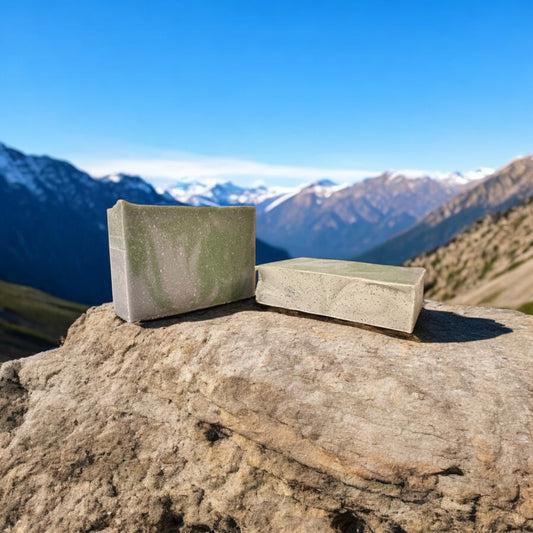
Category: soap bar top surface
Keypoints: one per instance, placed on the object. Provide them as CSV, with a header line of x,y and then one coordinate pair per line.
x,y
368,271
173,259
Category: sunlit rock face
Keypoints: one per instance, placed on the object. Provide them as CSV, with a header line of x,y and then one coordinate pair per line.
x,y
243,418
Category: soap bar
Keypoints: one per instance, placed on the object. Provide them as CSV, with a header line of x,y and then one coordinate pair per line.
x,y
378,295
167,260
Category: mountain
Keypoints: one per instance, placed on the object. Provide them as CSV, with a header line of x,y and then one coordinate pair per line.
x,y
32,321
220,194
505,188
324,219
330,221
53,228
489,263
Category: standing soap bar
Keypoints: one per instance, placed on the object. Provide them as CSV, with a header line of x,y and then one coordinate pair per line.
x,y
379,295
167,260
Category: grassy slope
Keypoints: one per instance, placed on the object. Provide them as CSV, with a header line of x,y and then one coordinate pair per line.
x,y
31,320
490,263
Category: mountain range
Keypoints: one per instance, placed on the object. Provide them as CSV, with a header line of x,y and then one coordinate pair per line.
x,y
507,187
53,230
218,194
325,220
53,217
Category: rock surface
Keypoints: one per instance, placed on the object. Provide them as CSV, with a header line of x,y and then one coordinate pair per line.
x,y
245,419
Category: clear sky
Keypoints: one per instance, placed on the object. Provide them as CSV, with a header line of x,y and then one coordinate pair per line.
x,y
268,88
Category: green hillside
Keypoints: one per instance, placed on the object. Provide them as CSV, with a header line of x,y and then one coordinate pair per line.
x,y
31,320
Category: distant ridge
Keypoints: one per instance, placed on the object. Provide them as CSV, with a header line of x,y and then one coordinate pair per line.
x,y
32,321
505,188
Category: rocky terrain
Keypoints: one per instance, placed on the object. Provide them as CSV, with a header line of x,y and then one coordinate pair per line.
x,y
507,187
490,263
246,419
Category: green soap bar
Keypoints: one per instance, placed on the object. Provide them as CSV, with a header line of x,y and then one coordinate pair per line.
x,y
167,260
379,295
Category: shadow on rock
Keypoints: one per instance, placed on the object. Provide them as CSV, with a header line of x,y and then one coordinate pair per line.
x,y
432,326
445,326
203,314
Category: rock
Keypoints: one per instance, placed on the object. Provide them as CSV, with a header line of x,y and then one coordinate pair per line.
x,y
240,418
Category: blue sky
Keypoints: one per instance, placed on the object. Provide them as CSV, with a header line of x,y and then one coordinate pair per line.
x,y
274,90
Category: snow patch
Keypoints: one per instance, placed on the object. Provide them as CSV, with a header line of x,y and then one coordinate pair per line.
x,y
220,193
460,178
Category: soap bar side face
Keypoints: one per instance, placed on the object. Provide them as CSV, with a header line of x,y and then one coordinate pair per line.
x,y
319,289
117,256
179,259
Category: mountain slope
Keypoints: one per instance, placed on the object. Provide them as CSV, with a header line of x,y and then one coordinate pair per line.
x,y
507,187
331,222
490,263
32,321
511,289
53,227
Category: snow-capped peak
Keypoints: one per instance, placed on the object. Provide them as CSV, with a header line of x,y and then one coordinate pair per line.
x,y
323,189
18,168
467,177
457,177
219,193
115,178
127,181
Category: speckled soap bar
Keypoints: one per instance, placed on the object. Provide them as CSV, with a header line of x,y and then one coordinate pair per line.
x,y
378,295
167,260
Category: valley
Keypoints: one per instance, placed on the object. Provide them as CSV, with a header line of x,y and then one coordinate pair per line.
x,y
32,321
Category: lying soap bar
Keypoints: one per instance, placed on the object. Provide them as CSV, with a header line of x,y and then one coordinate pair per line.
x,y
379,295
167,260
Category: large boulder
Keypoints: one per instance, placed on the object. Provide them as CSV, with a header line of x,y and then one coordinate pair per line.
x,y
246,419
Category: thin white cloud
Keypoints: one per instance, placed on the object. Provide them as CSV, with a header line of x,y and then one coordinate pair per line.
x,y
204,167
